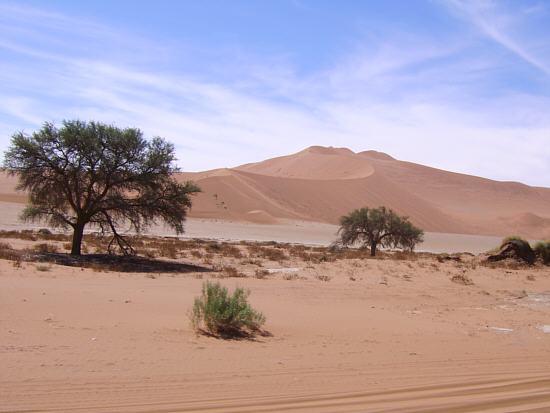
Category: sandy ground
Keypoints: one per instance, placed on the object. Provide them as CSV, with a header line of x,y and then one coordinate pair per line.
x,y
378,336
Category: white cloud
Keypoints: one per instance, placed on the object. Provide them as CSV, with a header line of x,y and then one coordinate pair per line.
x,y
384,97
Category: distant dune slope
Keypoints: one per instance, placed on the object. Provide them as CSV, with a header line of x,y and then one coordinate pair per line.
x,y
321,184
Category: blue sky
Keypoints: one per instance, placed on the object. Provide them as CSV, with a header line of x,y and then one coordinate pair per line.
x,y
460,85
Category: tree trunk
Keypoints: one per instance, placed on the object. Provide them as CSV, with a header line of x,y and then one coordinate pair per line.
x,y
77,238
373,246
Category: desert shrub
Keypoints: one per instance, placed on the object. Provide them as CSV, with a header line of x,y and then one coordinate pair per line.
x,y
254,249
518,242
42,268
224,249
232,272
223,314
515,248
350,253
214,247
265,250
46,234
403,256
252,261
542,251
513,238
462,279
149,253
100,244
5,246
196,253
8,253
308,255
25,235
169,250
231,251
261,274
45,248
273,254
325,278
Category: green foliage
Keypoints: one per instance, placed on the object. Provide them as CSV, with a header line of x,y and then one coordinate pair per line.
x,y
222,314
373,227
519,243
515,248
514,239
542,251
92,173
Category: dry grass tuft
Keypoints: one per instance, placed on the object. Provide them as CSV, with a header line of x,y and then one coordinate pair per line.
x,y
8,253
261,274
45,248
232,272
462,279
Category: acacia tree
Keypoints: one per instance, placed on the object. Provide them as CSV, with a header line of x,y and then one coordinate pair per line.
x,y
92,173
378,227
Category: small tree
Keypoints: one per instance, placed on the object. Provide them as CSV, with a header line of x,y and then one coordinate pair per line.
x,y
374,227
92,173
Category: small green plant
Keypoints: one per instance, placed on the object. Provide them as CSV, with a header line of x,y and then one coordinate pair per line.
x,y
542,251
222,314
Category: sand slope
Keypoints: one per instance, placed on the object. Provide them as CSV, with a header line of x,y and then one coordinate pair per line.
x,y
321,184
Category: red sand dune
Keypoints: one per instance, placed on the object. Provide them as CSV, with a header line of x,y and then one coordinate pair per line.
x,y
321,184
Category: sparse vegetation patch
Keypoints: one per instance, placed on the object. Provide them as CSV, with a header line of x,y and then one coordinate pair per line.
x,y
222,314
542,251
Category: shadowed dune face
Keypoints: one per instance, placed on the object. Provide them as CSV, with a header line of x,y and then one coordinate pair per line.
x,y
323,183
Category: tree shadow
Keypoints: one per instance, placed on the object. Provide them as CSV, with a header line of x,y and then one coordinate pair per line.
x,y
120,263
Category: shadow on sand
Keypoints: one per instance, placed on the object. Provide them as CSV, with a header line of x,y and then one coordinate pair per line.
x,y
122,263
237,335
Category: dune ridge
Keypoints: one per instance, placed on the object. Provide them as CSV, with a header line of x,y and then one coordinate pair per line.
x,y
323,183
320,184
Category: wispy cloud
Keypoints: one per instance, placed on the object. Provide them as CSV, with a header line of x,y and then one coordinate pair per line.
x,y
504,26
414,97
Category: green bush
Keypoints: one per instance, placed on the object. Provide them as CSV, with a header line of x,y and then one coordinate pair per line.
x,y
221,314
513,239
522,245
542,251
515,248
